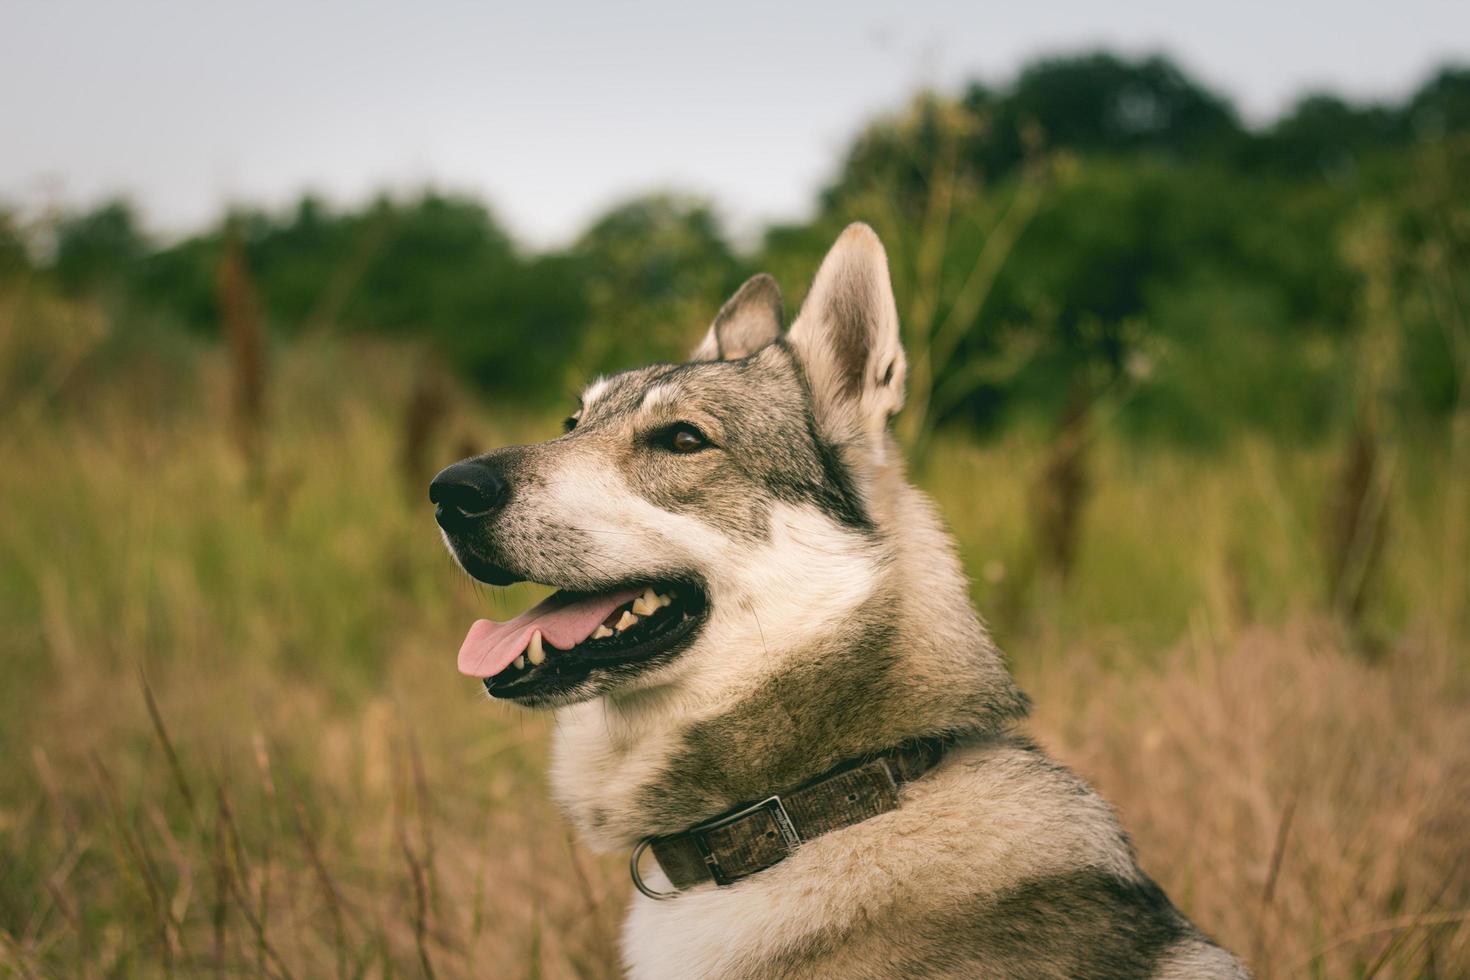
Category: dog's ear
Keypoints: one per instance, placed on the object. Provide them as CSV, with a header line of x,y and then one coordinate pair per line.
x,y
846,336
748,321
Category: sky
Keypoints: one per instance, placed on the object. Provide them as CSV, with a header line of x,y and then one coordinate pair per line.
x,y
552,111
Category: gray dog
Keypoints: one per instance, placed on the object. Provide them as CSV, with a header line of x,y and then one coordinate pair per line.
x,y
770,683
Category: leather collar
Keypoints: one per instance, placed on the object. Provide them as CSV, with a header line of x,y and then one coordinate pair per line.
x,y
756,836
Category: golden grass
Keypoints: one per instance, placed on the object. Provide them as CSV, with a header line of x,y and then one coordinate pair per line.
x,y
1309,809
318,793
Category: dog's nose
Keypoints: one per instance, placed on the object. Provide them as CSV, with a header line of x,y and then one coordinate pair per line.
x,y
465,492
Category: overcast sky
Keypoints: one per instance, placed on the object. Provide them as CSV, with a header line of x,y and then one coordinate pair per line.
x,y
552,110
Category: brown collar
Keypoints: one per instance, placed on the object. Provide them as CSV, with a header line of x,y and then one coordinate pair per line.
x,y
752,838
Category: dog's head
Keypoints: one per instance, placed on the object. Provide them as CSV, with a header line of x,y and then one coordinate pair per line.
x,y
693,517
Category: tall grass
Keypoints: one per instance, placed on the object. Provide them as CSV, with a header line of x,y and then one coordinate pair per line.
x,y
234,741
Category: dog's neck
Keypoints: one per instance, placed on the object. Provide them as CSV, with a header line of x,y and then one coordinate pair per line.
x,y
913,660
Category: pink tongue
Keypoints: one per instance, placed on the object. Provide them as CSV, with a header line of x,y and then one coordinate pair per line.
x,y
563,621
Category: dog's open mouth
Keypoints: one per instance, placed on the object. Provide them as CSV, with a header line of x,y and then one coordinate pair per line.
x,y
557,644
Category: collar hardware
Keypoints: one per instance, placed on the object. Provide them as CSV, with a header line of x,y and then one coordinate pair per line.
x,y
637,877
771,805
758,835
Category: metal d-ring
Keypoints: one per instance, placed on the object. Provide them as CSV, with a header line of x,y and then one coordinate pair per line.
x,y
638,879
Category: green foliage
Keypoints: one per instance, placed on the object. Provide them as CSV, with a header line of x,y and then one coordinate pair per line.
x,y
1101,227
98,248
1105,104
13,258
651,270
1194,269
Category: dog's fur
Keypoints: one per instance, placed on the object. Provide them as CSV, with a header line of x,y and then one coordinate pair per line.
x,y
838,624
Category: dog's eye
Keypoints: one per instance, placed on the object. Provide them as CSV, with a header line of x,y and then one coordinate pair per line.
x,y
684,439
570,422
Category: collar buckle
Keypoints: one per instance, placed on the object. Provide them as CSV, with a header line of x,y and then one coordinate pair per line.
x,y
772,805
763,834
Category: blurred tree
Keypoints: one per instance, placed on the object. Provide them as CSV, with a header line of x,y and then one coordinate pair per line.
x,y
301,260
1324,136
435,266
1095,103
654,270
443,268
1100,224
1101,103
1441,106
177,281
98,249
14,255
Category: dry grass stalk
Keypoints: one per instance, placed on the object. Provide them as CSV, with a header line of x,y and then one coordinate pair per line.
x,y
1357,524
420,866
1062,489
240,316
175,767
331,894
1268,894
132,855
1205,758
940,340
423,420
942,310
1358,509
238,880
219,869
268,854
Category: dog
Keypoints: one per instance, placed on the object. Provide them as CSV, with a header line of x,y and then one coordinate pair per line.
x,y
766,671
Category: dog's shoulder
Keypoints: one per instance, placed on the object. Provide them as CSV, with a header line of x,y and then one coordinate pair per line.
x,y
1000,863
1083,923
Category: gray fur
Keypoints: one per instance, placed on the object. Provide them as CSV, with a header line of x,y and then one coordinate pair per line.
x,y
1083,924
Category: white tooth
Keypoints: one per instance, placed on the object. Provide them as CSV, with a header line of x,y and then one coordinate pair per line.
x,y
521,662
535,650
645,604
663,600
628,620
602,632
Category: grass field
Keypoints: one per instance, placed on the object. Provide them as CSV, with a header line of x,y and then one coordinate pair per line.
x,y
234,741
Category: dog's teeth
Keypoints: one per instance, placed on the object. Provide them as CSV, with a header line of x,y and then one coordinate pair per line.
x,y
535,650
646,604
663,600
521,662
628,620
602,632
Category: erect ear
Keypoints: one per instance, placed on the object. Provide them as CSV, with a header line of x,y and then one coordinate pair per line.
x,y
847,337
748,321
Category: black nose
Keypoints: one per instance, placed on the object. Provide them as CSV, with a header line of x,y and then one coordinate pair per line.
x,y
465,492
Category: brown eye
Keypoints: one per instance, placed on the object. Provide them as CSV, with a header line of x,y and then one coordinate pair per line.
x,y
686,439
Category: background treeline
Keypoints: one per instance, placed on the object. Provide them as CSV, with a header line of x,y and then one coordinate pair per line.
x,y
1099,231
